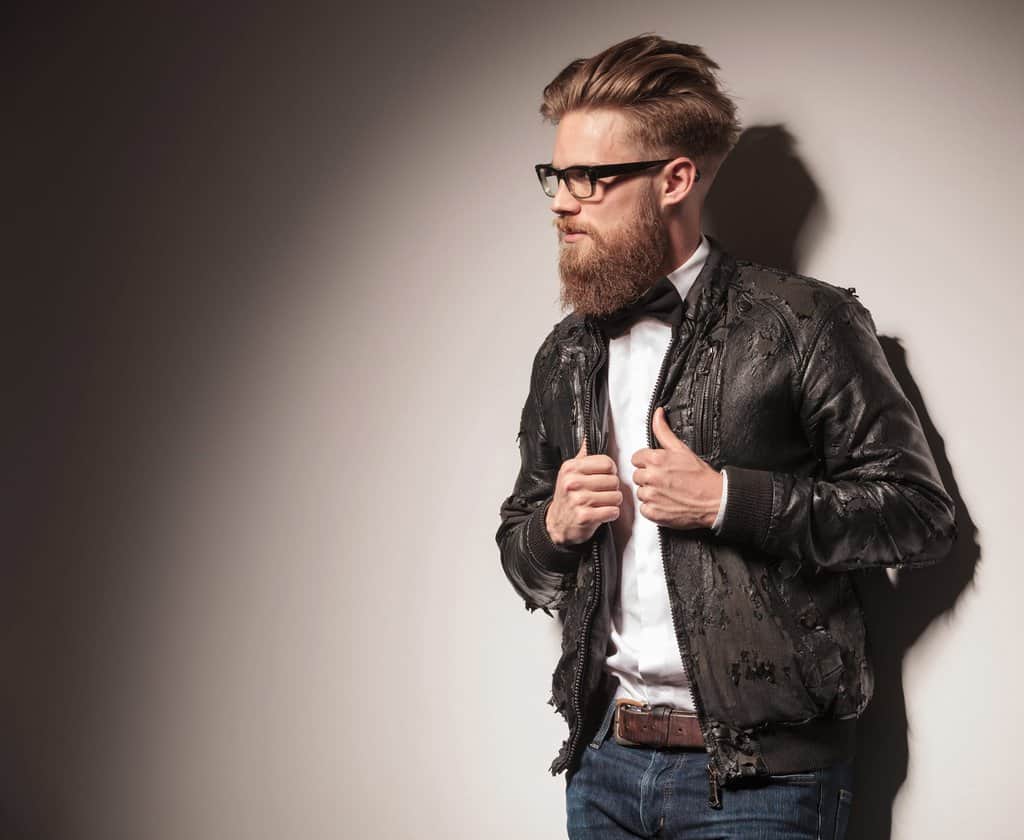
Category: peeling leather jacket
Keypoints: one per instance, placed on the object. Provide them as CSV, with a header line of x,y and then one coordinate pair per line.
x,y
779,378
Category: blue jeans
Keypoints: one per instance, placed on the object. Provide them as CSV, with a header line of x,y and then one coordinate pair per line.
x,y
624,792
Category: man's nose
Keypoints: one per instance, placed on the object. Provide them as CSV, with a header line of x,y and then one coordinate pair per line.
x,y
564,201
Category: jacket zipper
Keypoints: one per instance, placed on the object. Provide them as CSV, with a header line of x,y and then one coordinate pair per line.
x,y
714,800
582,646
706,371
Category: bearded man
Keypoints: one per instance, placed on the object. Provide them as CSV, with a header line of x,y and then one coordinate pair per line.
x,y
710,450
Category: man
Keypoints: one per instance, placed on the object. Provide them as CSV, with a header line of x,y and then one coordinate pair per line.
x,y
709,449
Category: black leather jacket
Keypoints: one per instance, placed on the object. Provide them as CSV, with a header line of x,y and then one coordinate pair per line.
x,y
780,379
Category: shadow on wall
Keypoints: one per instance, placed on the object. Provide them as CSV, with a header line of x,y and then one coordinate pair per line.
x,y
760,208
764,202
896,614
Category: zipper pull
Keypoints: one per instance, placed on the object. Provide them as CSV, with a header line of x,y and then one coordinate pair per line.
x,y
714,788
706,362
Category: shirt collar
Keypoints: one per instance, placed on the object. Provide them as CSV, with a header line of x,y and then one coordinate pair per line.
x,y
682,278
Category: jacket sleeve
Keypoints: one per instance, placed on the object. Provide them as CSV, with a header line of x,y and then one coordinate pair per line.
x,y
876,499
540,571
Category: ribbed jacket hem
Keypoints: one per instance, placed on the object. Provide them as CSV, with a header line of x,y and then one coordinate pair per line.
x,y
808,746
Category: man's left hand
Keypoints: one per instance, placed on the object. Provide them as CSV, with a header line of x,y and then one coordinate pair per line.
x,y
676,488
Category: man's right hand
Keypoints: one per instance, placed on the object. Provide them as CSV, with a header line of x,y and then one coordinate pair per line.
x,y
586,494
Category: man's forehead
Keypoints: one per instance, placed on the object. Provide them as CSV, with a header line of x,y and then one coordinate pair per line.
x,y
592,137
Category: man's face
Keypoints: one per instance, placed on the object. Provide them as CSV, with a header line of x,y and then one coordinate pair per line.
x,y
622,241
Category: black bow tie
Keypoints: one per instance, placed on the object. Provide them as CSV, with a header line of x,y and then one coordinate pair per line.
x,y
661,301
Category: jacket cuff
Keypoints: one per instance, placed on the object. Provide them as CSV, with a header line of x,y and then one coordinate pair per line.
x,y
546,554
748,509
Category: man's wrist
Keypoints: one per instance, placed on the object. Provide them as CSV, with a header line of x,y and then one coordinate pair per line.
x,y
558,558
547,526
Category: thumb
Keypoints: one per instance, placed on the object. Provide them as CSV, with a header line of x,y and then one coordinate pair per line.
x,y
583,448
663,432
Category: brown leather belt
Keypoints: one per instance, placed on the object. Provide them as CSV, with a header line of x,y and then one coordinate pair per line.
x,y
637,725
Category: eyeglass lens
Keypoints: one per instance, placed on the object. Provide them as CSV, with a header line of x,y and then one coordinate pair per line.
x,y
575,179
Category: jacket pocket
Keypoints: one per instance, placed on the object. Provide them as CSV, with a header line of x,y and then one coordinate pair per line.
x,y
823,667
755,664
705,399
819,656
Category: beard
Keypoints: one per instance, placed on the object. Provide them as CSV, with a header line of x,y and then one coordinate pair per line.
x,y
611,271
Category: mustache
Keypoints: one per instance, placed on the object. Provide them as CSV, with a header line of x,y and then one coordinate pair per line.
x,y
568,227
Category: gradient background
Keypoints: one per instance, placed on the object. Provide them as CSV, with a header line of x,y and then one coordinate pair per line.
x,y
275,279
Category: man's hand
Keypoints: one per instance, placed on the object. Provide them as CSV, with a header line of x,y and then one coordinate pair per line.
x,y
586,494
676,488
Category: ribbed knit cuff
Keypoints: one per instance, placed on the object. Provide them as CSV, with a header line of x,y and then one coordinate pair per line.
x,y
554,558
748,510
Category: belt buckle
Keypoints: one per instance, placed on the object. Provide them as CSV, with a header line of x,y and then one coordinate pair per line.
x,y
617,723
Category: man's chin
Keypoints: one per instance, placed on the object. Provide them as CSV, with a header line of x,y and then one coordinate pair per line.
x,y
586,306
575,304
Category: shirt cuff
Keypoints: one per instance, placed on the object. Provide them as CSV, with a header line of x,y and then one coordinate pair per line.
x,y
717,524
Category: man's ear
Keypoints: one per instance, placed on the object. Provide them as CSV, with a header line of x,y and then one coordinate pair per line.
x,y
681,180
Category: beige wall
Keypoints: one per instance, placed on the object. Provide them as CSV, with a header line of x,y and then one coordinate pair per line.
x,y
278,280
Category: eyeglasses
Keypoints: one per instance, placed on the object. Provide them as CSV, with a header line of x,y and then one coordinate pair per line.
x,y
581,180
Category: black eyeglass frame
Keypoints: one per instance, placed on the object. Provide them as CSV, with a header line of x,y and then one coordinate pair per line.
x,y
593,173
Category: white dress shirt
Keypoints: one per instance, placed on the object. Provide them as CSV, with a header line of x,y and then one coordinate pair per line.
x,y
643,651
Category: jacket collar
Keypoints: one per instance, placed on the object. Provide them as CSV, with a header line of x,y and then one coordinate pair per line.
x,y
711,285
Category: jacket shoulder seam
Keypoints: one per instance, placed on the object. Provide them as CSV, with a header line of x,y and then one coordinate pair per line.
x,y
826,319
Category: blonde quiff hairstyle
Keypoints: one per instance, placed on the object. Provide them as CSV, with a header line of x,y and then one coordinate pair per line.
x,y
668,91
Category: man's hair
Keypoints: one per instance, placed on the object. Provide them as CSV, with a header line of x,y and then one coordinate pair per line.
x,y
668,91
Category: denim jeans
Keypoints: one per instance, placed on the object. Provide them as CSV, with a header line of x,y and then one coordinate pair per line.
x,y
624,792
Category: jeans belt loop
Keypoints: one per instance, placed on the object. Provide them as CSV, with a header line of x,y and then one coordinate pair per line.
x,y
602,731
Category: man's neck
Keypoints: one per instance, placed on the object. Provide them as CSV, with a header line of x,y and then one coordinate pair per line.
x,y
682,243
